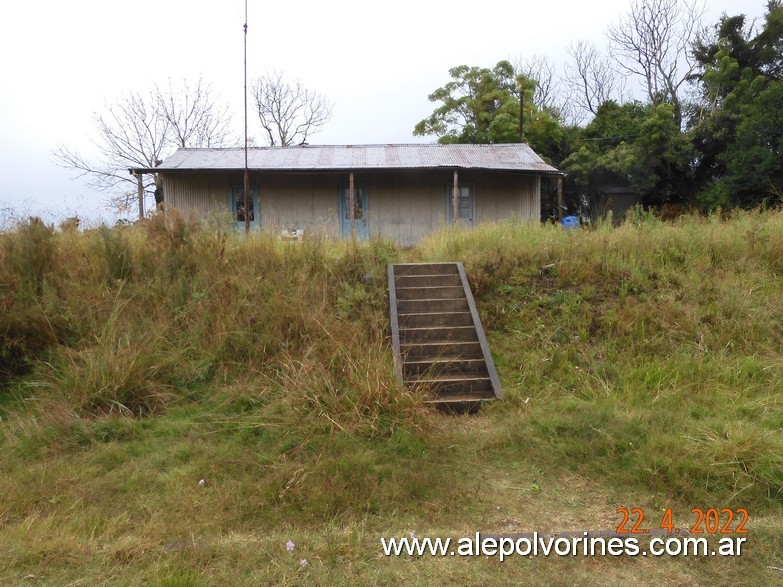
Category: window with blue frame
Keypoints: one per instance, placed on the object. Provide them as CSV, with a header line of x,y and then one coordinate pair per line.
x,y
238,204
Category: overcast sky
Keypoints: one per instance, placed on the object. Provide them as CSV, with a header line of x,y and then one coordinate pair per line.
x,y
61,61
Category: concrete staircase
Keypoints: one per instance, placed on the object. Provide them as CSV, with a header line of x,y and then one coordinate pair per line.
x,y
437,337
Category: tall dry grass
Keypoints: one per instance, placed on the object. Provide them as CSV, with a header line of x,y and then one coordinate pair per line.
x,y
640,363
651,351
129,319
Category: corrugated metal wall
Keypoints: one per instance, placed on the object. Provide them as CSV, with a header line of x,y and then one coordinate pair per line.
x,y
198,194
507,197
307,202
402,206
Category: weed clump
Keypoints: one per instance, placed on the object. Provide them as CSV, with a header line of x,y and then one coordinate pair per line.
x,y
116,252
30,255
30,321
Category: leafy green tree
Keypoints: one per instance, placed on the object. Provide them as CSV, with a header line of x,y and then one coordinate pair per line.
x,y
481,105
736,68
728,63
478,105
768,44
603,154
754,159
661,171
634,144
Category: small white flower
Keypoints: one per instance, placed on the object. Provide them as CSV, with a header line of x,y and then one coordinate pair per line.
x,y
202,483
303,562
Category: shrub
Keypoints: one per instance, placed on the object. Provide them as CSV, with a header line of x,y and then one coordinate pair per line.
x,y
24,333
31,256
28,260
116,252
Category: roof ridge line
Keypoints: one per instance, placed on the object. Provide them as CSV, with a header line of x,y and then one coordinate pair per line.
x,y
357,145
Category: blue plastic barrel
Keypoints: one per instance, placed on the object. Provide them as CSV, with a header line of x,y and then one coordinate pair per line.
x,y
570,222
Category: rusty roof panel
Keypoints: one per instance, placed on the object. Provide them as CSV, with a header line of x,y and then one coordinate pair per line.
x,y
505,157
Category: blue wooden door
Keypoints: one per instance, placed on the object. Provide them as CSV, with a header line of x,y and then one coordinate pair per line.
x,y
361,228
238,206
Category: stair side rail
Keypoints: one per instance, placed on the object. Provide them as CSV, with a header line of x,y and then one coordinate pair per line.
x,y
493,374
395,324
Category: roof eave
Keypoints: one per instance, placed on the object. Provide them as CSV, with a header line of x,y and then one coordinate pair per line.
x,y
144,170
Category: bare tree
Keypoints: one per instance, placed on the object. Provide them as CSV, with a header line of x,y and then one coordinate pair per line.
x,y
591,78
539,68
653,42
139,130
289,112
195,117
130,133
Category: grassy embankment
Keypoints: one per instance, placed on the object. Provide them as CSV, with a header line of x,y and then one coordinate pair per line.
x,y
643,369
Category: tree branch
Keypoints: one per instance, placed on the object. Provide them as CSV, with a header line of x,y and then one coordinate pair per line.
x,y
288,112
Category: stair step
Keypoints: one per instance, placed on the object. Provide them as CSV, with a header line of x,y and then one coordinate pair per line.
x,y
444,385
435,319
448,378
425,269
438,334
438,292
451,350
439,366
432,306
439,343
428,280
460,399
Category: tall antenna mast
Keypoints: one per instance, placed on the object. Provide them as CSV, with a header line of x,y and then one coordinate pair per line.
x,y
247,180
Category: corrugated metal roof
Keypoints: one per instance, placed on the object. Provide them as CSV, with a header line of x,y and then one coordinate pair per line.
x,y
505,157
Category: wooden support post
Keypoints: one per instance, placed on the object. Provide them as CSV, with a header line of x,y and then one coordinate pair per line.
x,y
455,197
559,198
247,198
246,178
140,188
521,113
352,205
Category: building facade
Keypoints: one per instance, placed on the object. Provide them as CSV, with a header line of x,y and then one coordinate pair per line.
x,y
400,192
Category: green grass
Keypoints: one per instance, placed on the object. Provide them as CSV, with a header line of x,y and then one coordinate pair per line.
x,y
641,367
